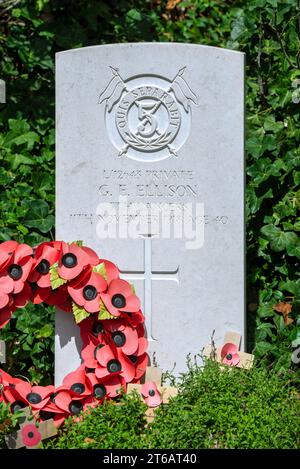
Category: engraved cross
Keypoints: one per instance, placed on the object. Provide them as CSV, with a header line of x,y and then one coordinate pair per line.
x,y
149,275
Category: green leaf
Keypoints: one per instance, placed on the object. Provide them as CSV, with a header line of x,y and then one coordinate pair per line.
x,y
266,310
78,243
254,147
79,313
45,331
263,348
104,313
29,138
294,250
100,269
279,240
19,126
271,125
38,215
16,160
55,279
291,286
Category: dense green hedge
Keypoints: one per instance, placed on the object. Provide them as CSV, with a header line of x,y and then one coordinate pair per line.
x,y
215,408
266,30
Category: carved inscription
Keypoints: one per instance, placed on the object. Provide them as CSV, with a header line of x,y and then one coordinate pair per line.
x,y
144,115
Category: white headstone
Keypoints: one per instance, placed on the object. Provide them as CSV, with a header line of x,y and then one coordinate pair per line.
x,y
150,173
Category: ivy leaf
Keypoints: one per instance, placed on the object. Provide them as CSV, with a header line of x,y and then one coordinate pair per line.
x,y
271,125
79,313
45,331
294,250
16,160
254,147
104,313
279,240
55,280
291,287
263,348
265,310
38,215
100,269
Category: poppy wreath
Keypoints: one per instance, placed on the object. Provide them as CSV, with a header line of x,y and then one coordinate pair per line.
x,y
73,278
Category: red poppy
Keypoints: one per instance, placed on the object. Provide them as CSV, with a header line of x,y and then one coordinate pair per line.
x,y
120,298
140,363
77,384
6,286
5,313
60,298
130,340
51,407
92,330
229,354
45,256
74,259
66,403
6,250
109,386
113,361
7,383
16,271
39,295
86,291
135,319
88,353
58,419
30,435
112,271
151,394
34,396
21,299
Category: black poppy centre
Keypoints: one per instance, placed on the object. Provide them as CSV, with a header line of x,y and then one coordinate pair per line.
x,y
229,356
151,392
114,366
97,328
17,405
99,391
45,415
34,398
75,407
15,271
89,293
119,338
69,260
53,396
118,301
133,359
43,267
78,388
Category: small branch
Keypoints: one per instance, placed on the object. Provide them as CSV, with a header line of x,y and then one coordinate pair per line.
x,y
279,37
8,4
260,80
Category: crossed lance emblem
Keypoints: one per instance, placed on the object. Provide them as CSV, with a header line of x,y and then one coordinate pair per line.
x,y
148,116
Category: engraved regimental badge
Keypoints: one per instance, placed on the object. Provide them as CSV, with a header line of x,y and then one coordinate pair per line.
x,y
148,117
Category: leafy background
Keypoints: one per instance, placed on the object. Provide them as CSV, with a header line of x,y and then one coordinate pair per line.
x,y
268,31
